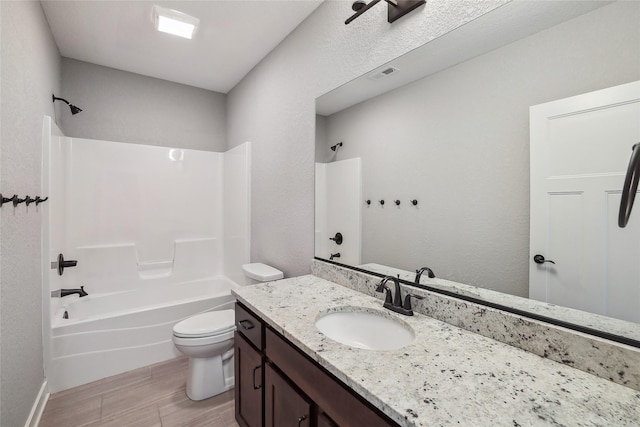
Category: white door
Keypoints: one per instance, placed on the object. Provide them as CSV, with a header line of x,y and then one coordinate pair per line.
x,y
580,150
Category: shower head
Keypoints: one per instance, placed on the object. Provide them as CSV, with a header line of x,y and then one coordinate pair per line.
x,y
74,110
335,147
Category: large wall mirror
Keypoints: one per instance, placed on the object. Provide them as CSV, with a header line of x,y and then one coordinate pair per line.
x,y
442,135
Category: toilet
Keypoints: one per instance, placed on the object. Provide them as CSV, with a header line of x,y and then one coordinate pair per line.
x,y
207,339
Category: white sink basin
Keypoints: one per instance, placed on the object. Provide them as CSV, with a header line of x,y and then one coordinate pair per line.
x,y
362,328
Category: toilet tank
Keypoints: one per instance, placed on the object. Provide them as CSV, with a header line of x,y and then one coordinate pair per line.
x,y
259,273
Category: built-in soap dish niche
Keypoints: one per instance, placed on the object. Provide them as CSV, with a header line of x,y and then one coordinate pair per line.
x,y
155,270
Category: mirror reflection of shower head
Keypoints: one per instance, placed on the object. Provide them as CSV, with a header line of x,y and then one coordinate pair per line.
x,y
335,147
74,110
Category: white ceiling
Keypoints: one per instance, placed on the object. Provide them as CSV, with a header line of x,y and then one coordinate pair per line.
x,y
233,36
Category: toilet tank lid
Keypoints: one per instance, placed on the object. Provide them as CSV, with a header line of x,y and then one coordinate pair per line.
x,y
262,272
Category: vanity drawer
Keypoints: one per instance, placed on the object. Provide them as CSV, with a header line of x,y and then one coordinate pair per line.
x,y
339,403
249,326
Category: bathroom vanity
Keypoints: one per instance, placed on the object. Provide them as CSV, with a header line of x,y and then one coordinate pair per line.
x,y
285,367
294,389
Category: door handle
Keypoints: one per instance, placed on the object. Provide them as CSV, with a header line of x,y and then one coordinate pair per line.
x,y
256,387
539,259
301,419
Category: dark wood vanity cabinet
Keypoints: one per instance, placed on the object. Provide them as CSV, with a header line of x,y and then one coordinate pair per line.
x,y
249,369
248,389
277,385
284,405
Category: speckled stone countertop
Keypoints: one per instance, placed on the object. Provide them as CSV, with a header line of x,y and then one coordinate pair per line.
x,y
570,315
447,376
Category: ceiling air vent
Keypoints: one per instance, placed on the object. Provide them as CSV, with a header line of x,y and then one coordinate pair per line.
x,y
384,73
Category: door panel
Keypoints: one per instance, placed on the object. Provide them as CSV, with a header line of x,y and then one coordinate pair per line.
x,y
284,406
249,381
580,149
623,264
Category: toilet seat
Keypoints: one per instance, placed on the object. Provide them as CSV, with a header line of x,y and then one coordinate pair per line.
x,y
213,324
202,341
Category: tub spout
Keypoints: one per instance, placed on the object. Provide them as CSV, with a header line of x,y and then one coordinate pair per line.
x,y
65,292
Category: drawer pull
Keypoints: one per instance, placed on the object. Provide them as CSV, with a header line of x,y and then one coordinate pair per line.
x,y
246,324
256,387
301,419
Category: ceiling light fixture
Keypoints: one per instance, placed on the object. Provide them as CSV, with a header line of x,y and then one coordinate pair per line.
x,y
174,22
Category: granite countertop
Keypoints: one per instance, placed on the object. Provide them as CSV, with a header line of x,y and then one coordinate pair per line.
x,y
447,376
577,317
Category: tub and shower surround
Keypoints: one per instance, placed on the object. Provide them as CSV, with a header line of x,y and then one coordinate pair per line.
x,y
160,234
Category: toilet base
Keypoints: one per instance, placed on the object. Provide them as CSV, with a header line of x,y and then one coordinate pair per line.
x,y
210,376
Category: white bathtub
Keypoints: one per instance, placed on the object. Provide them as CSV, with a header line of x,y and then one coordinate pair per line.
x,y
109,334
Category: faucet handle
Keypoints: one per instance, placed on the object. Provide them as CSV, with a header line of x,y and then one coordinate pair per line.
x,y
407,300
382,286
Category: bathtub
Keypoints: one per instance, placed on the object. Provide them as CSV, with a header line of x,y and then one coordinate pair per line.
x,y
112,333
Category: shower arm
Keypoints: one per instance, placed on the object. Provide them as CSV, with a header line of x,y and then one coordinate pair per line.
x,y
55,98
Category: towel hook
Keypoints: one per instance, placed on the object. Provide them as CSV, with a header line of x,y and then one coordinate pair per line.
x,y
17,200
39,200
4,200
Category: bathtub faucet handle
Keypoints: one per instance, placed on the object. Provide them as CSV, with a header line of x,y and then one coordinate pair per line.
x,y
62,264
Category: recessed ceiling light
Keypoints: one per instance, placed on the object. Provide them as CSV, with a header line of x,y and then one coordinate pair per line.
x,y
174,22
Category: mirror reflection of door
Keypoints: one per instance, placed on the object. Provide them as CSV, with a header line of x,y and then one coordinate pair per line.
x,y
580,148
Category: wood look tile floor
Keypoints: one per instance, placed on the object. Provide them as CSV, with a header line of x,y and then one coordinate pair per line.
x,y
153,396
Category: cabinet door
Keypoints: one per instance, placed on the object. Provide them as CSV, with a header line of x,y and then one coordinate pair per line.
x,y
248,377
284,406
325,421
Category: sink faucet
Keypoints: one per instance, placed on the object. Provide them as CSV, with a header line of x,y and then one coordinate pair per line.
x,y
64,292
396,305
422,270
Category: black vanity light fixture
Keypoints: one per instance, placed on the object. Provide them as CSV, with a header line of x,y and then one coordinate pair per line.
x,y
395,8
74,109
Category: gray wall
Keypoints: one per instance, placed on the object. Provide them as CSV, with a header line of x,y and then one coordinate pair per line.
x,y
29,73
274,108
127,107
322,142
458,141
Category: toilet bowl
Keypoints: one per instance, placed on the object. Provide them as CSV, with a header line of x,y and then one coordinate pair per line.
x,y
207,339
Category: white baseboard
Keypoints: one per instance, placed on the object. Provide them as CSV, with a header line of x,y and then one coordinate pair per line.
x,y
38,406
